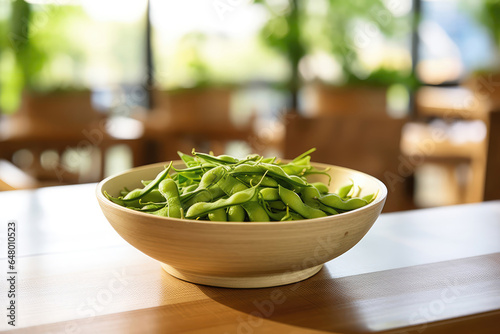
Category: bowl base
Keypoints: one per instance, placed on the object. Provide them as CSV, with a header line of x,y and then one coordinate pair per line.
x,y
263,281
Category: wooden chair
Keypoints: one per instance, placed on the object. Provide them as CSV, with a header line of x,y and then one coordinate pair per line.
x,y
368,144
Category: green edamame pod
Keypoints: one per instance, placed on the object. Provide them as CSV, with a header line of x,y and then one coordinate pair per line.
x,y
270,194
189,189
160,177
220,160
274,215
269,160
187,159
230,185
203,208
227,158
236,213
136,194
153,196
322,188
209,178
295,203
168,189
204,195
146,182
252,180
327,209
310,196
294,170
370,198
334,201
343,191
218,215
152,207
277,205
255,212
273,171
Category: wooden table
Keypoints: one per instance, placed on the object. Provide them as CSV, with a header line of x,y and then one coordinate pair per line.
x,y
424,271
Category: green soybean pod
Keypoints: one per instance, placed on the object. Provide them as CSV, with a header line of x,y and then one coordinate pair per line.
x,y
310,196
153,196
133,195
322,188
334,201
370,198
327,209
270,194
291,169
203,208
236,213
211,177
187,159
343,191
151,207
227,158
221,159
204,195
230,185
293,200
277,205
252,180
168,188
218,215
255,212
276,216
190,188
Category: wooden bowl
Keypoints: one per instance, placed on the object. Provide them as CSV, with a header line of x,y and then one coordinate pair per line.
x,y
242,255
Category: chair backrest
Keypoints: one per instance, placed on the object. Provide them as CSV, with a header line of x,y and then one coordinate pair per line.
x,y
367,144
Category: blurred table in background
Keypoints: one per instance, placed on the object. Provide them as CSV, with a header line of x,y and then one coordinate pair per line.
x,y
452,129
46,127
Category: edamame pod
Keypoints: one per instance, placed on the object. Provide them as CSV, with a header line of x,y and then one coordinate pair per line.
x,y
295,203
334,201
218,215
168,188
236,213
322,188
343,191
270,194
203,208
255,212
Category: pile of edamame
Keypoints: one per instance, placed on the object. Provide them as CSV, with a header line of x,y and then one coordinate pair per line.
x,y
255,189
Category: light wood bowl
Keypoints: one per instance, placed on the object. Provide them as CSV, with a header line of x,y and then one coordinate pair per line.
x,y
242,255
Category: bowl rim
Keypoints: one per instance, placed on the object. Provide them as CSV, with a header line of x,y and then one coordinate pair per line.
x,y
381,196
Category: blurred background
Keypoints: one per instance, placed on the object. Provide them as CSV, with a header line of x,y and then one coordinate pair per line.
x,y
405,90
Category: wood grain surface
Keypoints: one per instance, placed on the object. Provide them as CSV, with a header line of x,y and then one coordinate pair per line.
x,y
423,271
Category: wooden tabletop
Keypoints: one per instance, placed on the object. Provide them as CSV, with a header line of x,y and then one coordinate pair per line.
x,y
425,271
